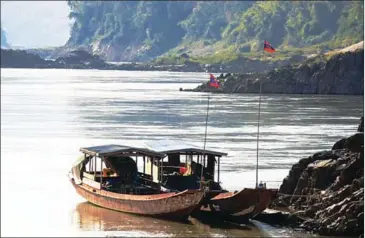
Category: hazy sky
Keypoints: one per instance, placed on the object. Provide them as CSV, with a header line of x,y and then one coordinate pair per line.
x,y
35,23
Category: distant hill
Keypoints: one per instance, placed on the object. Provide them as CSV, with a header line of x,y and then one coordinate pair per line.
x,y
4,42
144,30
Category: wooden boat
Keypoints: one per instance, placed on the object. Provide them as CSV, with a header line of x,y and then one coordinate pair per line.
x,y
256,200
107,176
178,176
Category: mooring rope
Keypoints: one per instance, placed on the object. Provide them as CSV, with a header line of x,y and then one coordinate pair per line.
x,y
292,195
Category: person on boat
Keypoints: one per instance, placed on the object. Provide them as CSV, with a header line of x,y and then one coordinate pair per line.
x,y
261,185
182,170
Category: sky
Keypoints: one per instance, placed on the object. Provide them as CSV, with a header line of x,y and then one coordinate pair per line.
x,y
35,24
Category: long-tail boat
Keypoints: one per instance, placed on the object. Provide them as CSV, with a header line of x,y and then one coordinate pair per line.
x,y
108,176
184,167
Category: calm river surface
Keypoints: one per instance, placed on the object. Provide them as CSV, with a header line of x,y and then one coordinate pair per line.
x,y
47,115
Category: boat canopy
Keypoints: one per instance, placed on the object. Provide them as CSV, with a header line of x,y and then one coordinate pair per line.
x,y
107,150
110,152
180,147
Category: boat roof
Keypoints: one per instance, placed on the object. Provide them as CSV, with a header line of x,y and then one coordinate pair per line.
x,y
172,146
104,150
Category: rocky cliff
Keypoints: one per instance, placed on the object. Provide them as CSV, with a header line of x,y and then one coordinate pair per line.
x,y
338,72
326,189
143,30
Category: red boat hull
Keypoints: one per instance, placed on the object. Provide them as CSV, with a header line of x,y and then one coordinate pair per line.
x,y
169,205
247,202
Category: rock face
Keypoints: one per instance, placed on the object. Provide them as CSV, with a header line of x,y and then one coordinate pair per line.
x,y
343,73
327,189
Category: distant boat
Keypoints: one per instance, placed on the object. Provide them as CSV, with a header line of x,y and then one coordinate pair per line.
x,y
107,176
180,175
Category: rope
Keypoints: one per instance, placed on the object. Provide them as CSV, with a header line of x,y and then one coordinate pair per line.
x,y
291,195
300,196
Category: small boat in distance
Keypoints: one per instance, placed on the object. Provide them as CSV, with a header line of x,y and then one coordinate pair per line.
x,y
108,176
184,167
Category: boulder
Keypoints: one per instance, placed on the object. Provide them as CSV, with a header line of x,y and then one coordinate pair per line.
x,y
328,188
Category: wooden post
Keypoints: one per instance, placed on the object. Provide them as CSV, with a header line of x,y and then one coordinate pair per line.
x,y
89,163
219,159
144,164
151,158
161,180
95,168
101,171
213,175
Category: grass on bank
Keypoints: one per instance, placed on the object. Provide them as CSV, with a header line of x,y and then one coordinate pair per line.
x,y
226,55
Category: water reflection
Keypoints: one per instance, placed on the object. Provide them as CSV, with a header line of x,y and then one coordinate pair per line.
x,y
89,217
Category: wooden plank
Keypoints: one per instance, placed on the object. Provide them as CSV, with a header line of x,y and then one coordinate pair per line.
x,y
87,175
91,183
101,171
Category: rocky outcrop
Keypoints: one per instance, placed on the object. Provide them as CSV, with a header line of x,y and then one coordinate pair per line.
x,y
361,126
339,73
22,59
81,59
327,189
75,59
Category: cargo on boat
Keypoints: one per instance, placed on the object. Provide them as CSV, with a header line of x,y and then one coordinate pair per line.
x,y
108,176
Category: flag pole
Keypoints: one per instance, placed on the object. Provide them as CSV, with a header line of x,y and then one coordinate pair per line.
x,y
205,141
258,135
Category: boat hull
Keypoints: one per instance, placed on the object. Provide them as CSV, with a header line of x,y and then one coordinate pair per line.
x,y
177,206
243,204
266,196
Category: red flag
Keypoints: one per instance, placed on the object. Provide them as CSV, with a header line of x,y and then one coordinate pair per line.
x,y
268,47
213,81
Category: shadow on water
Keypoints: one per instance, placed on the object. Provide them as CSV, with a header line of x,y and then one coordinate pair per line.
x,y
220,222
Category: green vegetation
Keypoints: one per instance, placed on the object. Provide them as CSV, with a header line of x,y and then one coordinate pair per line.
x,y
132,24
217,31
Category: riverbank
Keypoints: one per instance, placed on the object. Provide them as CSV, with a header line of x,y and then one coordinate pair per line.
x,y
79,59
337,72
82,59
325,191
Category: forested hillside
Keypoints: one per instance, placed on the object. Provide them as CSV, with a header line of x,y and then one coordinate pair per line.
x,y
143,30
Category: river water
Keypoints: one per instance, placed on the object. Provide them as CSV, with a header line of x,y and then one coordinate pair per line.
x,y
47,115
